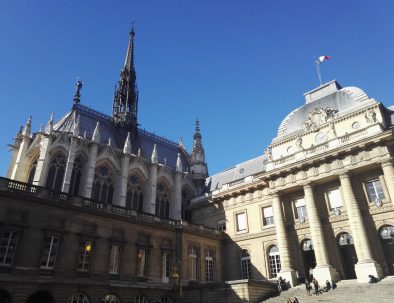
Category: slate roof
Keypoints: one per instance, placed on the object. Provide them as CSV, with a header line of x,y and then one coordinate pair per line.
x,y
237,173
342,100
166,149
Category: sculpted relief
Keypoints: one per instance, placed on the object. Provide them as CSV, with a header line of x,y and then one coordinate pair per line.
x,y
318,117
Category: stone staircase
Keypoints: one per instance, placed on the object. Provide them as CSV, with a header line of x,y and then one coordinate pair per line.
x,y
348,291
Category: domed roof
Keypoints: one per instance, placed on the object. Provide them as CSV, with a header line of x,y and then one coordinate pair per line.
x,y
330,95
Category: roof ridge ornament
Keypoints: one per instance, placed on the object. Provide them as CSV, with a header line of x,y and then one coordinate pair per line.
x,y
154,157
78,87
96,133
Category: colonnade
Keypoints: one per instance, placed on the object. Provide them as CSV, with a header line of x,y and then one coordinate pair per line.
x,y
366,265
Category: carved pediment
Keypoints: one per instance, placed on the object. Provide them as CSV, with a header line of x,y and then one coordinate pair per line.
x,y
318,117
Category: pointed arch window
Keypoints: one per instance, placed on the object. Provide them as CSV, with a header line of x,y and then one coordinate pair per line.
x,y
103,185
32,172
57,167
162,201
76,176
135,195
186,198
246,265
210,266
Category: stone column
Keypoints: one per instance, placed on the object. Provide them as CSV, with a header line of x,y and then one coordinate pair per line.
x,y
152,188
287,271
176,206
323,271
91,167
40,176
70,165
125,161
366,265
388,171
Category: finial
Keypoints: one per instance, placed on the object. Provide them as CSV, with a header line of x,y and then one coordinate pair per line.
x,y
96,133
197,125
165,161
109,142
132,26
26,130
85,134
178,167
50,124
78,87
139,152
127,145
41,128
154,158
180,144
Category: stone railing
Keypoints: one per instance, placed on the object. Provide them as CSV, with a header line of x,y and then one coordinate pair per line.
x,y
8,185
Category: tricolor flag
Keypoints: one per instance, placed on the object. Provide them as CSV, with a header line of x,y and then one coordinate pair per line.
x,y
323,58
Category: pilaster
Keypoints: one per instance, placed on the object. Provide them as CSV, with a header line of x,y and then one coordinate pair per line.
x,y
125,161
152,188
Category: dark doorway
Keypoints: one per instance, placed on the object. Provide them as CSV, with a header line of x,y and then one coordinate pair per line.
x,y
5,297
308,255
41,297
387,239
348,255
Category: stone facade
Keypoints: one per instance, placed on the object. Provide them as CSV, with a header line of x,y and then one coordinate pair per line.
x,y
321,196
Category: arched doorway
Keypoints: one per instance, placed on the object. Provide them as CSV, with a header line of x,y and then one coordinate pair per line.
x,y
5,296
386,234
308,255
41,297
348,255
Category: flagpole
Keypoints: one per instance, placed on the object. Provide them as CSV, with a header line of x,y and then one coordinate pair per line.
x,y
318,70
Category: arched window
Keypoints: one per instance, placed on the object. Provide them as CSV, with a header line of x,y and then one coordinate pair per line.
x,y
193,263
246,265
274,261
78,297
140,299
210,266
135,195
162,201
32,172
56,171
110,299
186,198
165,299
76,177
103,185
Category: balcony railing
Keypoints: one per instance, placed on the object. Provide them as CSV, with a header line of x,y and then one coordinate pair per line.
x,y
42,192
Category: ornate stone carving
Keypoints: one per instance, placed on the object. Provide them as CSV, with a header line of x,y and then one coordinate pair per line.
x,y
370,116
318,117
298,143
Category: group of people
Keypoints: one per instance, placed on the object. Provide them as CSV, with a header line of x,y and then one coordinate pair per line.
x,y
311,282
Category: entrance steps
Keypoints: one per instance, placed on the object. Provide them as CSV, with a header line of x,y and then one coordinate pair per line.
x,y
348,291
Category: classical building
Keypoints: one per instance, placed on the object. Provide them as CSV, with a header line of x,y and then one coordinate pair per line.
x,y
95,209
321,198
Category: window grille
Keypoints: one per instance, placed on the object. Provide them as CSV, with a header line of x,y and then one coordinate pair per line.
x,y
48,258
274,261
246,265
8,244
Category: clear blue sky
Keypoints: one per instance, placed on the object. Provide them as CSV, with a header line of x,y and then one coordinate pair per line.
x,y
240,66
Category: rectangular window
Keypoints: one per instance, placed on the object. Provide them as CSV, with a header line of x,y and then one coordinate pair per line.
x,y
193,264
115,260
241,222
8,243
48,257
375,190
300,207
166,268
142,264
268,217
334,198
222,225
209,269
85,255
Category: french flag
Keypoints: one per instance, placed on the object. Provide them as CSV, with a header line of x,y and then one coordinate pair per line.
x,y
323,58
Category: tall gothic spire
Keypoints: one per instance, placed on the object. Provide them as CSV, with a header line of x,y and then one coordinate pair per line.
x,y
198,167
125,102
